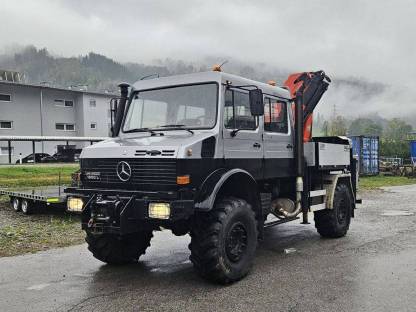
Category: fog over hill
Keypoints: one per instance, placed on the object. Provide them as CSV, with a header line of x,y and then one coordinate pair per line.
x,y
349,96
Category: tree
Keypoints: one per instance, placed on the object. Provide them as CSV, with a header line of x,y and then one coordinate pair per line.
x,y
337,126
393,142
397,130
365,126
325,128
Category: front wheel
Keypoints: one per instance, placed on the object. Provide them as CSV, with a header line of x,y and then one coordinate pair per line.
x,y
335,222
224,241
115,249
15,204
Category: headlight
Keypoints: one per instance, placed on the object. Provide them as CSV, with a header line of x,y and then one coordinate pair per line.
x,y
74,204
159,210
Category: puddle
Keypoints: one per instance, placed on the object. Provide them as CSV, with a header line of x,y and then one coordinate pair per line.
x,y
394,213
289,250
38,287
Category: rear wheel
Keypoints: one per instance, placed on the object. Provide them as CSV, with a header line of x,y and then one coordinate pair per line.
x,y
336,222
224,241
27,206
115,249
15,204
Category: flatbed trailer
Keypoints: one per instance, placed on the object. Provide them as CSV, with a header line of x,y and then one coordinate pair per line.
x,y
28,199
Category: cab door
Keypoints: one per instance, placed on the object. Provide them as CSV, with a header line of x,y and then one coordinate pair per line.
x,y
243,146
278,139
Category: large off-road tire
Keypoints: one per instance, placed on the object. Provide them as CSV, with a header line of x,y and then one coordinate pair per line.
x,y
114,249
224,241
335,222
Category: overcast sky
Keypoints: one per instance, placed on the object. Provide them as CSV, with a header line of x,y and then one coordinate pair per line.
x,y
374,39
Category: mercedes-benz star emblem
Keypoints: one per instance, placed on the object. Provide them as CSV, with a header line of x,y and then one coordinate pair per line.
x,y
123,171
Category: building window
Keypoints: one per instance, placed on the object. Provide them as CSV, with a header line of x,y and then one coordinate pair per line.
x,y
93,103
64,103
93,125
4,150
65,127
6,124
5,97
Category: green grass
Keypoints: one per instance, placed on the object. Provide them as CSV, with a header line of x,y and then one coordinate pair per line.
x,y
20,234
36,175
368,183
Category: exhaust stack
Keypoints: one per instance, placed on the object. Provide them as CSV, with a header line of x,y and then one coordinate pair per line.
x,y
124,91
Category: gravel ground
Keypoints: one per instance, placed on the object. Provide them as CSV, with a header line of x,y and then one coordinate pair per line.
x,y
47,229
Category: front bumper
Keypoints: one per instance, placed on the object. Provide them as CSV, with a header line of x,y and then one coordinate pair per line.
x,y
123,213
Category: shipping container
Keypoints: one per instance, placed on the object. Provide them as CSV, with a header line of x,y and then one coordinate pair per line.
x,y
366,149
413,151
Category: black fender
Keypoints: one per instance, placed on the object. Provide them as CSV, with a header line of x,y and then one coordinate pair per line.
x,y
245,187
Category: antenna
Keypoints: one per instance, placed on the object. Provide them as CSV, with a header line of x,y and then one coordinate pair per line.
x,y
223,63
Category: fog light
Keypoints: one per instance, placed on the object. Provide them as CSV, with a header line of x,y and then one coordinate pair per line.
x,y
74,204
159,210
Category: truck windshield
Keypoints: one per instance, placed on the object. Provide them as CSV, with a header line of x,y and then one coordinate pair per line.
x,y
181,107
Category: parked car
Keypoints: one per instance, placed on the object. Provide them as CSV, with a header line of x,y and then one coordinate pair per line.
x,y
65,156
29,158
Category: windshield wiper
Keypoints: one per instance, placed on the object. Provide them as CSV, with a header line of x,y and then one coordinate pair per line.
x,y
143,130
179,127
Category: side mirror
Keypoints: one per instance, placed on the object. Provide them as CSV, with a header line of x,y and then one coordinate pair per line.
x,y
256,102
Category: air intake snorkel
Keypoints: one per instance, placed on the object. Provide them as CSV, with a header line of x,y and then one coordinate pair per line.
x,y
124,91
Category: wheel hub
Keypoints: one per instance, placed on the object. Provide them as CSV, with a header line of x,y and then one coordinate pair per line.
x,y
24,206
236,242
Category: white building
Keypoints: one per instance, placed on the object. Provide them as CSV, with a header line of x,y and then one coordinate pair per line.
x,y
38,110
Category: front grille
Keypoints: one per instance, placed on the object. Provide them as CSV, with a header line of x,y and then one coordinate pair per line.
x,y
146,173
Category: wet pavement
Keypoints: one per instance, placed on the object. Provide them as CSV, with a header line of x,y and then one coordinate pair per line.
x,y
373,268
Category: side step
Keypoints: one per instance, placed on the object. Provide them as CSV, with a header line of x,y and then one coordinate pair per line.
x,y
317,200
280,221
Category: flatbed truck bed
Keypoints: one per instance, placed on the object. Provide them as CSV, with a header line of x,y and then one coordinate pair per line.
x,y
27,199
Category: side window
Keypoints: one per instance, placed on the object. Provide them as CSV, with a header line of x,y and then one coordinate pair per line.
x,y
237,114
275,116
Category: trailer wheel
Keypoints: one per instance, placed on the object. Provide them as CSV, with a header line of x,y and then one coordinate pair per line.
x,y
115,249
335,222
15,203
27,206
224,241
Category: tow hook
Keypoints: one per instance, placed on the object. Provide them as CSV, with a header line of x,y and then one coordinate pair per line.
x,y
90,223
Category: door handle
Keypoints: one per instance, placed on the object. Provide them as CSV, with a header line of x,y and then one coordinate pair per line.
x,y
256,145
289,146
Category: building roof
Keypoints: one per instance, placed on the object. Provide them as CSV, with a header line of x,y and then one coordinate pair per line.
x,y
40,86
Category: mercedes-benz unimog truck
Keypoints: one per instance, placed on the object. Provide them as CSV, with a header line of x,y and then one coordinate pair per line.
x,y
212,155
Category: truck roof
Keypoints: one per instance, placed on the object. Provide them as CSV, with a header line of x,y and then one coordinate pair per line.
x,y
209,76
